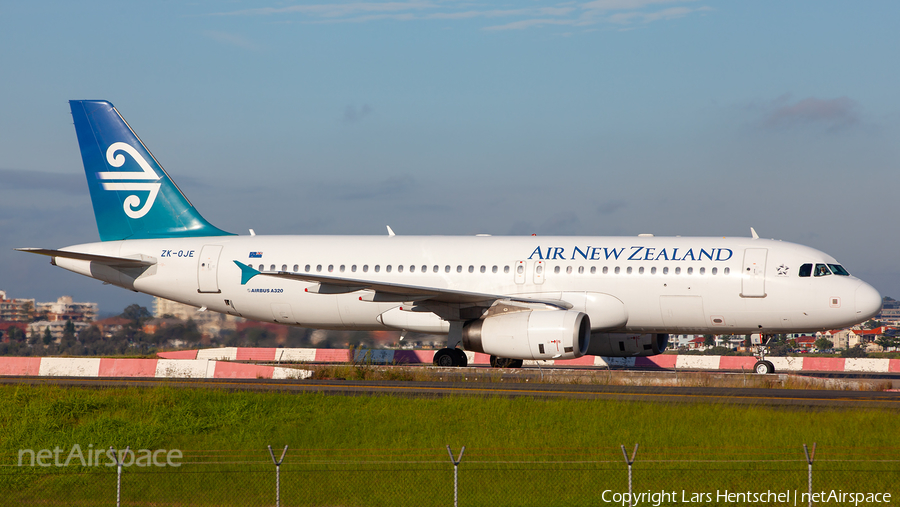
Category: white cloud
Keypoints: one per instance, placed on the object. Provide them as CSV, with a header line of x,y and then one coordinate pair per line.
x,y
596,12
231,39
831,114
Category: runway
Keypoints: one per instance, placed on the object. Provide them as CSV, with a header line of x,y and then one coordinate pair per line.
x,y
740,396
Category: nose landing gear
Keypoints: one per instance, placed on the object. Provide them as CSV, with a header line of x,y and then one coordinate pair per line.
x,y
759,342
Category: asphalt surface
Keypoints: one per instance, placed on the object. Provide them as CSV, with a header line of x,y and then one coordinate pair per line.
x,y
740,396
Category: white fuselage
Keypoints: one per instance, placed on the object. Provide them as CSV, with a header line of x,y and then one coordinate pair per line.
x,y
664,284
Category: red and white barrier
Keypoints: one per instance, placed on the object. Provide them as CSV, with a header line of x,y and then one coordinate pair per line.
x,y
663,361
149,368
215,363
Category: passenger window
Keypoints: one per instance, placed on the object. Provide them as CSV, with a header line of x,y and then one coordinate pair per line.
x,y
653,270
726,271
641,270
471,269
425,269
284,267
678,270
388,268
318,268
618,269
330,268
556,270
838,270
628,270
494,269
412,269
377,268
437,268
665,270
365,268
702,271
580,270
483,269
715,270
821,270
399,269
296,268
446,269
539,269
569,270
805,270
690,271
342,268
306,268
459,269
605,270
272,267
353,268
520,269
593,270
262,268
506,269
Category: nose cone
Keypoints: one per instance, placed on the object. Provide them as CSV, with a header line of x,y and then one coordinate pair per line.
x,y
868,302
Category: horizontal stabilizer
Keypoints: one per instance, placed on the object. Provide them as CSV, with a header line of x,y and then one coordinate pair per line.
x,y
116,262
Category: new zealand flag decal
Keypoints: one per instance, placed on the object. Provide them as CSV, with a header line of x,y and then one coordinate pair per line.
x,y
256,255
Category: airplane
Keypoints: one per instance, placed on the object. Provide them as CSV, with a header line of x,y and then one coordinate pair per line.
x,y
514,298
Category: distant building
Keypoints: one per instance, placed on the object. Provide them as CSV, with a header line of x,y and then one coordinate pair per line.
x,y
65,309
15,310
890,311
57,328
867,337
112,325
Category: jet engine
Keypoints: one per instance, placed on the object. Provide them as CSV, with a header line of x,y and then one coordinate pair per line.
x,y
533,334
627,344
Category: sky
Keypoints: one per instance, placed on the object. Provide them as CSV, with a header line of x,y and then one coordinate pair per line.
x,y
604,117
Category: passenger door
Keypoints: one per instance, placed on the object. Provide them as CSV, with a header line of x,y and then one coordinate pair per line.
x,y
207,269
753,274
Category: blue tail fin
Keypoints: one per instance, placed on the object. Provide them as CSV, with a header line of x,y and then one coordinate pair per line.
x,y
133,196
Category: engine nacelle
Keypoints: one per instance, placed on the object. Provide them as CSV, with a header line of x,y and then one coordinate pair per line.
x,y
536,334
627,345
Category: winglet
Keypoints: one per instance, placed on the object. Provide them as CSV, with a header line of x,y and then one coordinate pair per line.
x,y
247,272
390,231
753,233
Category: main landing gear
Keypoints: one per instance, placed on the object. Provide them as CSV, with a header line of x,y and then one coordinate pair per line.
x,y
450,357
505,362
759,341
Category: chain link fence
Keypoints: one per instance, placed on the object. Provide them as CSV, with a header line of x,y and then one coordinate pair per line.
x,y
473,477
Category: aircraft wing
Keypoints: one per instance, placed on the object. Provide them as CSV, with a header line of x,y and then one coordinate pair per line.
x,y
115,262
390,292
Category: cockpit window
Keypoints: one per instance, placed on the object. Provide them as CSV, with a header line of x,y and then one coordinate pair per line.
x,y
822,270
806,270
838,270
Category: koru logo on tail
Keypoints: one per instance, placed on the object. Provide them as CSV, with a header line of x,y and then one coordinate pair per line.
x,y
147,174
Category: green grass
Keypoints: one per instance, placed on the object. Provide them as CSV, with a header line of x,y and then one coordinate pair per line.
x,y
384,450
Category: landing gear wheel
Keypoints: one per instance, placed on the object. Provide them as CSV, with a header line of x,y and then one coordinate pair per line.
x,y
461,359
504,362
450,357
445,358
764,367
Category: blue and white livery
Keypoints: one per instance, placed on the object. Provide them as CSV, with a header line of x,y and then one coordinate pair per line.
x,y
514,298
